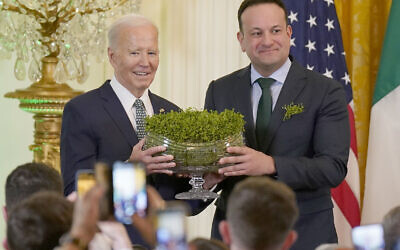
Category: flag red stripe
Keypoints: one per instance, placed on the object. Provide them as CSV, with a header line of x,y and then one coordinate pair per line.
x,y
343,195
353,136
347,202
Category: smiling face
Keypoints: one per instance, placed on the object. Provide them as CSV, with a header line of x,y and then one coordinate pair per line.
x,y
135,57
265,37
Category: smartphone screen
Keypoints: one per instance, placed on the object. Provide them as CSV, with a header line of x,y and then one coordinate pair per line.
x,y
129,190
368,237
171,229
85,180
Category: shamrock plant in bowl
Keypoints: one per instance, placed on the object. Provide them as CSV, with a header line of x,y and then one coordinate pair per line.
x,y
193,137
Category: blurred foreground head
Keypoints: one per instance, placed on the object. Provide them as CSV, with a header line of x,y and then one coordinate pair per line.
x,y
31,178
391,229
39,221
260,215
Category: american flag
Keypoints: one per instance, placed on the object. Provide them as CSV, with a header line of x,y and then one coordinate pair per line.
x,y
317,44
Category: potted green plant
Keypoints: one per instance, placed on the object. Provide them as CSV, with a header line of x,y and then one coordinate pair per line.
x,y
193,137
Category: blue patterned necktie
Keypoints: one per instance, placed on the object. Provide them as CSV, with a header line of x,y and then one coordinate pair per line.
x,y
140,115
264,109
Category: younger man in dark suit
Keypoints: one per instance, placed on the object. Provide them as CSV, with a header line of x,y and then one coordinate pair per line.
x,y
297,128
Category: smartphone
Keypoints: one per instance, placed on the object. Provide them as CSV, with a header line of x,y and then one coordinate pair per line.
x,y
171,227
129,190
368,237
84,181
103,176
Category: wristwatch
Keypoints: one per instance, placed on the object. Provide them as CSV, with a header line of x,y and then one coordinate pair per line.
x,y
67,238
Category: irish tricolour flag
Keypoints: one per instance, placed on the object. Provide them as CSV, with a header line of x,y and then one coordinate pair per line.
x,y
382,186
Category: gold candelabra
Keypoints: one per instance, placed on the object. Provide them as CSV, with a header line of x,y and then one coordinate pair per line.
x,y
54,37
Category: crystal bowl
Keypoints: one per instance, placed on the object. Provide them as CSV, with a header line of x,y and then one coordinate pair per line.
x,y
194,157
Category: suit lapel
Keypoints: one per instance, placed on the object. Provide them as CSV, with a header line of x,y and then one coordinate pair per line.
x,y
155,102
294,83
242,92
115,110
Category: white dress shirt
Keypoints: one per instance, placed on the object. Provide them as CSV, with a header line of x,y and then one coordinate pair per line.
x,y
256,92
127,100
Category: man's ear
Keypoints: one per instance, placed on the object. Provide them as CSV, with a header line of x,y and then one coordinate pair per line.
x,y
240,37
289,31
111,55
225,232
290,239
5,215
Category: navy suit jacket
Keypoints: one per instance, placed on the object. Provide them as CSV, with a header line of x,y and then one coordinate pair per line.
x,y
310,150
95,127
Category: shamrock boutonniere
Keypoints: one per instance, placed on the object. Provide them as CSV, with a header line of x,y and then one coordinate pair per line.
x,y
292,109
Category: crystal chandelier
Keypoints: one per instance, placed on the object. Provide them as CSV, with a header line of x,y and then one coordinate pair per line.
x,y
67,29
52,40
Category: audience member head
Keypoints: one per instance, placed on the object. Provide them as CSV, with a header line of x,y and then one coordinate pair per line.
x,y
391,229
261,213
28,179
133,52
39,221
207,244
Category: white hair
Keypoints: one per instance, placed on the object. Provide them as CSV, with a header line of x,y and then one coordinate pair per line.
x,y
132,20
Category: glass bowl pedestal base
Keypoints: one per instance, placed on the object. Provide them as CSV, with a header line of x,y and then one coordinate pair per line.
x,y
197,192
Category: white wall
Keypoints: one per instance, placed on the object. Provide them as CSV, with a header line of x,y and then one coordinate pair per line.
x,y
197,43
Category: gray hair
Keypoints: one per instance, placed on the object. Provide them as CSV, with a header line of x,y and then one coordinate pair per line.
x,y
132,20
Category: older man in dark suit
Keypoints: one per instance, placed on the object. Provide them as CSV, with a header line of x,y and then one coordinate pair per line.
x,y
297,128
106,124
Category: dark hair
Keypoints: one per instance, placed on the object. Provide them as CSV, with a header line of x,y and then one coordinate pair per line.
x,y
247,3
39,221
261,212
30,178
208,244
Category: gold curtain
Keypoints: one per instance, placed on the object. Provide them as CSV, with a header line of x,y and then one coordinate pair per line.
x,y
363,25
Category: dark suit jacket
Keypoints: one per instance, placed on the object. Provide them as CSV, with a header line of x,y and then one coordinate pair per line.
x,y
95,127
310,149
